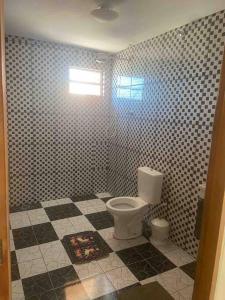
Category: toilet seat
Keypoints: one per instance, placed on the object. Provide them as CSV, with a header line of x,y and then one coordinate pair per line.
x,y
125,205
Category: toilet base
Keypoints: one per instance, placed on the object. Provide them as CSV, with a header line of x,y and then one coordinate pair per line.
x,y
125,229
127,238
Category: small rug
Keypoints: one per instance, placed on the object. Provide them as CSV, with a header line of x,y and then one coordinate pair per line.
x,y
85,246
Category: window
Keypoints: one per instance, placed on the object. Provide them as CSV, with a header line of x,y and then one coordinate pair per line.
x,y
130,87
85,82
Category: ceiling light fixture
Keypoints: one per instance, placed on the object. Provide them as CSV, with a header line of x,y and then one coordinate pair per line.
x,y
104,13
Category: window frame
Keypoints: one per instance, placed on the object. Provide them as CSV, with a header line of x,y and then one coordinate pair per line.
x,y
130,88
100,84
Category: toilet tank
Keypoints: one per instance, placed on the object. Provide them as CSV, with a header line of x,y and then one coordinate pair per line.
x,y
149,185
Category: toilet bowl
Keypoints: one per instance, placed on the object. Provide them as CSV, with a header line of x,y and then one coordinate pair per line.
x,y
128,212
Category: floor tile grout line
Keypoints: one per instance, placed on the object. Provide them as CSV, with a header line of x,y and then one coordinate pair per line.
x,y
113,284
96,231
189,285
103,272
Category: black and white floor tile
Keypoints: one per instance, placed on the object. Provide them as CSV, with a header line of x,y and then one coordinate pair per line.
x,y
43,269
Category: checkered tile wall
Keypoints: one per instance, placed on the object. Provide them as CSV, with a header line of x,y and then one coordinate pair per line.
x,y
170,128
58,143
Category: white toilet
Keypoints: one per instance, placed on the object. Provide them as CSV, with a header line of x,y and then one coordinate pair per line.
x,y
128,212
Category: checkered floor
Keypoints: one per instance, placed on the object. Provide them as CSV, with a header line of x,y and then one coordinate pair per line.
x,y
42,268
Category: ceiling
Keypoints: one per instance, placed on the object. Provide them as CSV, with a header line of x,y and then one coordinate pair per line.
x,y
69,21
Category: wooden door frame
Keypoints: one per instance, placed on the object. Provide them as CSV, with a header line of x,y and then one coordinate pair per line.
x,y
214,206
5,273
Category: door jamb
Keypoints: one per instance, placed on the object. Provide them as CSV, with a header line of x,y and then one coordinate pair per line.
x,y
214,206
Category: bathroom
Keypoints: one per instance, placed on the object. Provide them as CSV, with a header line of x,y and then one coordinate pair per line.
x,y
109,128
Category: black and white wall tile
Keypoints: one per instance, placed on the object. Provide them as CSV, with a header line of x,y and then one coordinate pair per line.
x,y
58,143
170,128
61,145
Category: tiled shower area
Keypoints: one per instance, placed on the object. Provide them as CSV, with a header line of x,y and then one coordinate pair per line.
x,y
156,110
